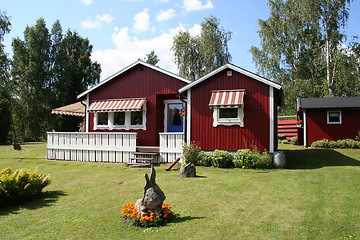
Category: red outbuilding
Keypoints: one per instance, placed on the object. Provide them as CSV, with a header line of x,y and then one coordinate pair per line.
x,y
329,118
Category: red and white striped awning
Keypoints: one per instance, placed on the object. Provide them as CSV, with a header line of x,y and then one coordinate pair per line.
x,y
118,105
227,98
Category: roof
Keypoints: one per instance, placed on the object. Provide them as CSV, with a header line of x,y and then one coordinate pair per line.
x,y
234,68
138,62
335,102
74,109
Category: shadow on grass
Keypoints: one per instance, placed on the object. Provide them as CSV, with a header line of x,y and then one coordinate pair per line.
x,y
180,219
317,158
44,199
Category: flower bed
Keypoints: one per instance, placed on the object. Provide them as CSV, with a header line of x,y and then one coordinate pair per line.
x,y
133,218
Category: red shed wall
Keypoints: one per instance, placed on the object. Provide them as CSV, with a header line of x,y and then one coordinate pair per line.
x,y
317,127
141,82
255,133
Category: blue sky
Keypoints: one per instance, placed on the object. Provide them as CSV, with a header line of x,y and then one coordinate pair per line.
x,y
122,31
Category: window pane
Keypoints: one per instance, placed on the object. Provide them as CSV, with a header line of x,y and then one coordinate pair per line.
x,y
136,118
119,118
102,118
228,113
334,116
174,118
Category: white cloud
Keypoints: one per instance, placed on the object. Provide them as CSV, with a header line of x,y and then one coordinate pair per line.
x,y
105,18
142,21
194,5
130,48
87,2
165,15
88,23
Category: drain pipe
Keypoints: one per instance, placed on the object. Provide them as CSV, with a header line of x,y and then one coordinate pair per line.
x,y
182,99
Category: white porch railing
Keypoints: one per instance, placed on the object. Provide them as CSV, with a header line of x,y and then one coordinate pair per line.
x,y
107,146
91,147
170,146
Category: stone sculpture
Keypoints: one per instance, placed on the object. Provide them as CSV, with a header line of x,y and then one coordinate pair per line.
x,y
153,197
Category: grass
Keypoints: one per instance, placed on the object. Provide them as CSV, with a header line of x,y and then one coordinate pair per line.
x,y
315,197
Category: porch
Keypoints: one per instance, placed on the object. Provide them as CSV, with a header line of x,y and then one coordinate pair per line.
x,y
113,147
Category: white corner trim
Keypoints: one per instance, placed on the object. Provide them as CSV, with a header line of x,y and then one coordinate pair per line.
x,y
87,114
188,117
272,120
305,127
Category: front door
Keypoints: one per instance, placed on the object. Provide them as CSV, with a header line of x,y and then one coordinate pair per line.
x,y
174,121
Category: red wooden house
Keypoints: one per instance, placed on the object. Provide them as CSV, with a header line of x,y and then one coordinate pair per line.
x,y
143,105
329,118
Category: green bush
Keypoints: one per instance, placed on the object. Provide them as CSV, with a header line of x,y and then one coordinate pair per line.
x,y
342,143
284,141
245,158
205,159
20,185
222,159
294,139
191,153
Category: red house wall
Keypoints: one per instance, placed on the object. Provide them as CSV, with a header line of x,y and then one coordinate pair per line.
x,y
256,131
317,127
141,82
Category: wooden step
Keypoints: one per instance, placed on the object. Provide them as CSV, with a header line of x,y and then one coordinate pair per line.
x,y
146,153
139,164
141,158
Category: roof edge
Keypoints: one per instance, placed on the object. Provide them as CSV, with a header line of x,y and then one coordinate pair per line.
x,y
235,68
129,67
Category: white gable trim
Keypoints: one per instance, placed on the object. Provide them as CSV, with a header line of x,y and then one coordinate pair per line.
x,y
234,68
129,67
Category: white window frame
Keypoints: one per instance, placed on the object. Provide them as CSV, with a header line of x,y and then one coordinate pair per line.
x,y
228,121
126,126
333,111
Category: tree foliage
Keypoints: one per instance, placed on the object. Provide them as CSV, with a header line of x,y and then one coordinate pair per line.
x,y
196,56
151,58
5,111
301,48
49,69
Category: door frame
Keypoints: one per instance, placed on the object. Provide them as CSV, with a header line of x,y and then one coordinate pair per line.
x,y
166,102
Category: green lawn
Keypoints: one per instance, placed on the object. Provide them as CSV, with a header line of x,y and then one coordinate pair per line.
x,y
316,197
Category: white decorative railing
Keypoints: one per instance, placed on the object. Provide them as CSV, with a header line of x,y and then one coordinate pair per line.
x,y
170,146
90,147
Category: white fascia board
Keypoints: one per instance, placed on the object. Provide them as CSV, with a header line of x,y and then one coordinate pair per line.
x,y
234,68
129,67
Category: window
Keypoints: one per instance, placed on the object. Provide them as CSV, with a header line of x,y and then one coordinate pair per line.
x,y
228,116
102,118
334,117
119,118
136,118
228,113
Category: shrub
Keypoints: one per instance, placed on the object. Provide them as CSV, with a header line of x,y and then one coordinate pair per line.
x,y
281,137
284,141
245,158
294,139
222,159
205,159
191,153
342,143
20,185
